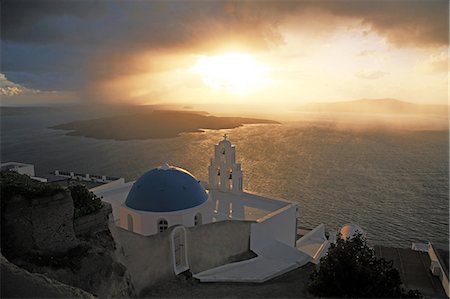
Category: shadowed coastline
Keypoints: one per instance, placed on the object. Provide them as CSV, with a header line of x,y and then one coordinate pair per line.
x,y
158,124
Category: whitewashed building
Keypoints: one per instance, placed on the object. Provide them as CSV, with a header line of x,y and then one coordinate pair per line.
x,y
171,198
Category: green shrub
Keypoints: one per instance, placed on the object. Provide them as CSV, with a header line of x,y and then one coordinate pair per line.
x,y
351,270
15,184
84,201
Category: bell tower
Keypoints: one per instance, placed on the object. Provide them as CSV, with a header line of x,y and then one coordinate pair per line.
x,y
224,173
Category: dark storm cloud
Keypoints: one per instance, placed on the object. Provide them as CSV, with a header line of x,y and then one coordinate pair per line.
x,y
46,21
130,24
84,40
65,44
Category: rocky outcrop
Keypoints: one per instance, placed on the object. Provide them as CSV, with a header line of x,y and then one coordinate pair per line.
x,y
93,223
19,283
84,256
42,224
94,269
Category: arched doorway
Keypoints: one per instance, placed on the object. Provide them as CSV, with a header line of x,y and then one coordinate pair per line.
x,y
179,250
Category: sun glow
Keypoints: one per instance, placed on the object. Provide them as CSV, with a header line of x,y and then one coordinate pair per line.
x,y
233,72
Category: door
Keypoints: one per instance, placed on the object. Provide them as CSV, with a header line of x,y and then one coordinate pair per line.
x,y
179,250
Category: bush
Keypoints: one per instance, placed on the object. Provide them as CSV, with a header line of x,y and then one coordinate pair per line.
x,y
15,184
84,201
351,269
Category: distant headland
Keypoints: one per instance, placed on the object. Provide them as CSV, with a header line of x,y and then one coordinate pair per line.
x,y
157,124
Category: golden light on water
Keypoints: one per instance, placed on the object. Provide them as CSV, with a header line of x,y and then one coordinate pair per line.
x,y
237,73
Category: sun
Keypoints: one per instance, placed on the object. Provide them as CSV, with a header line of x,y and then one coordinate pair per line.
x,y
237,73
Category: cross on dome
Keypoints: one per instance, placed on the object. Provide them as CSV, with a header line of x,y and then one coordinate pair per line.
x,y
165,166
225,136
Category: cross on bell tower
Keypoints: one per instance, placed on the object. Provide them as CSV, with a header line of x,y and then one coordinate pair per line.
x,y
224,173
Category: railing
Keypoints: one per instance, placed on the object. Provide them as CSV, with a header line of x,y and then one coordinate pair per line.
x,y
86,177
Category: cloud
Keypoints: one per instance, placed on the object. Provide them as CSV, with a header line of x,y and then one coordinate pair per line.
x,y
371,74
417,23
365,53
435,63
8,88
73,45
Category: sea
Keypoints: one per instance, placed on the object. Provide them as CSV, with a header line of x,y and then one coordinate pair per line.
x,y
394,183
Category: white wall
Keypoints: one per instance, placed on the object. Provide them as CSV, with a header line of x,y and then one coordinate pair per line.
x,y
279,225
115,193
149,259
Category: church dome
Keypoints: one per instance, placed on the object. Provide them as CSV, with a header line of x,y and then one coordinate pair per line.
x,y
166,189
348,231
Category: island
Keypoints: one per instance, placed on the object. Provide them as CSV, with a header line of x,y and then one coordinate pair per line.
x,y
157,124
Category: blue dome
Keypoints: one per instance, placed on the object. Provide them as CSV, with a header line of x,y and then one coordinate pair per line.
x,y
166,189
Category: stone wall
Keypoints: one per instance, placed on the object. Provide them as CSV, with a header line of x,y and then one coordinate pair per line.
x,y
149,259
44,224
93,223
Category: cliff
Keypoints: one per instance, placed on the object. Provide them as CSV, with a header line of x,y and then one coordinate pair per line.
x,y
90,266
41,237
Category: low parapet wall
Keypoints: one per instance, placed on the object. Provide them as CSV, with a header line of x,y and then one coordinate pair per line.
x,y
280,225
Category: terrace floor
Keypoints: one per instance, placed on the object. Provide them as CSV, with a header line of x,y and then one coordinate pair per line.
x,y
414,268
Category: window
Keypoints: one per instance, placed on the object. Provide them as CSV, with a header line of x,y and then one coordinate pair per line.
x,y
130,223
162,225
198,219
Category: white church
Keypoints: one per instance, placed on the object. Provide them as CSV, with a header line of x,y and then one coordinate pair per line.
x,y
171,198
168,195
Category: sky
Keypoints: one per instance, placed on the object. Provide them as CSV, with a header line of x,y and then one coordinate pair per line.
x,y
274,55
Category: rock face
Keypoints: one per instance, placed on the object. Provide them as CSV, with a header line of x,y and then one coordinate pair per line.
x,y
19,283
42,224
90,224
39,235
95,270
